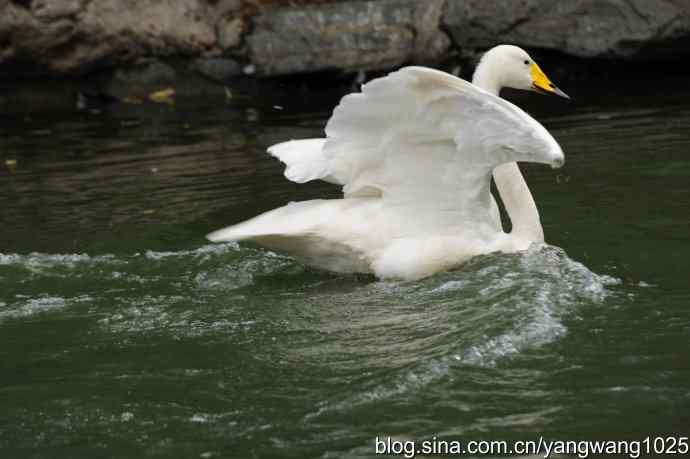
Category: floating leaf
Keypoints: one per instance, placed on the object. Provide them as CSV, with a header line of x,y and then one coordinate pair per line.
x,y
164,96
11,164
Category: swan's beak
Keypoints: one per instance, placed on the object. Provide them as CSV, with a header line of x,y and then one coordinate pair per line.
x,y
542,84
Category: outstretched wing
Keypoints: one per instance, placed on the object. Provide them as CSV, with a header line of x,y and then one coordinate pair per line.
x,y
419,130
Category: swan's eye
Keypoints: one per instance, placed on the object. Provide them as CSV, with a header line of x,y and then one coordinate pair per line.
x,y
526,62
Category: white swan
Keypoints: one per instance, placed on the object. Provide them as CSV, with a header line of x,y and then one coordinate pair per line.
x,y
414,152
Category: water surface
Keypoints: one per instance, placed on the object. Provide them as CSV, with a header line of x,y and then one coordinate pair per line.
x,y
124,333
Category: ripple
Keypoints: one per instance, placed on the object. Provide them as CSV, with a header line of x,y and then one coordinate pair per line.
x,y
211,263
38,305
36,261
45,259
33,306
205,252
495,307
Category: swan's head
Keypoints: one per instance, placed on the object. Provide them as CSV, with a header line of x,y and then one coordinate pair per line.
x,y
508,66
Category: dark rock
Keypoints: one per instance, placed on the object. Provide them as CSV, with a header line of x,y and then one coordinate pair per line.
x,y
147,72
437,47
230,32
140,79
586,28
277,37
346,35
61,37
217,69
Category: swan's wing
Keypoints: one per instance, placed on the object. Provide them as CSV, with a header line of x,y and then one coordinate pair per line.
x,y
332,234
419,129
303,159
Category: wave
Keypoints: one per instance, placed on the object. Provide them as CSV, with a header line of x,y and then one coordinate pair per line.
x,y
493,307
121,287
454,333
24,307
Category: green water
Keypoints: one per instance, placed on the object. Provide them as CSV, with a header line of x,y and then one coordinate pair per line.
x,y
123,333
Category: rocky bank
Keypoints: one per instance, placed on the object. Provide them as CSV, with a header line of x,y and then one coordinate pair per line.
x,y
225,38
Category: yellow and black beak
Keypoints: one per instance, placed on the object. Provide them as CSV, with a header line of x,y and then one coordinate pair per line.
x,y
542,84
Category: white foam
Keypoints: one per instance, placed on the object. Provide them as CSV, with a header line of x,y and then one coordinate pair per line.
x,y
72,260
450,286
33,306
209,249
500,306
199,418
36,259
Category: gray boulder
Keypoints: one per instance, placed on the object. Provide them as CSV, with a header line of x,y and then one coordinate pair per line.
x,y
60,37
217,68
140,79
223,38
346,35
587,28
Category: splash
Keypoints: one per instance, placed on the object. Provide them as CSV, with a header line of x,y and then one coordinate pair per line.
x,y
493,308
25,307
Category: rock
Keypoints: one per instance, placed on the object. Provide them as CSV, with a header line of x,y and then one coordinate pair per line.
x,y
150,77
140,79
147,72
586,28
61,37
278,37
345,35
226,8
437,47
46,10
230,32
217,69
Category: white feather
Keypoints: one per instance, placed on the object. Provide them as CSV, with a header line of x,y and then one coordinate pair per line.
x,y
415,152
304,160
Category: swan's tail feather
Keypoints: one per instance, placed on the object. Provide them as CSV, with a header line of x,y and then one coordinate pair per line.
x,y
294,218
302,230
304,160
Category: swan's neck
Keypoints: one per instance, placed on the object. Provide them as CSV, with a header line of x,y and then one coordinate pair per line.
x,y
519,203
486,76
510,183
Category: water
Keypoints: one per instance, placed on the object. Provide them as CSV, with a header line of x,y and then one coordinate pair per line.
x,y
124,333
